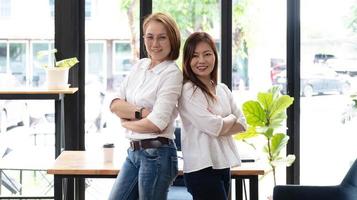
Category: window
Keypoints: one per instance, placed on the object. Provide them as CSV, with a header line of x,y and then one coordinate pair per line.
x,y
96,58
122,62
328,121
18,61
25,124
88,8
258,49
3,57
51,4
37,70
5,8
111,45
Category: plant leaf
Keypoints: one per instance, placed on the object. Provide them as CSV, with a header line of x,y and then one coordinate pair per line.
x,y
69,62
286,161
269,132
275,90
43,53
265,99
249,133
280,105
277,143
276,121
254,113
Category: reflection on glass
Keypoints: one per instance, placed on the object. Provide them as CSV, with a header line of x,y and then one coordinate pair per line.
x,y
328,120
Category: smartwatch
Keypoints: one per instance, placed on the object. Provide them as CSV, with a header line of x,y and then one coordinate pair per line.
x,y
139,113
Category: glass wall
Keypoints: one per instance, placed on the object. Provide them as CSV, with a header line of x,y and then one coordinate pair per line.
x,y
112,46
26,127
258,59
328,77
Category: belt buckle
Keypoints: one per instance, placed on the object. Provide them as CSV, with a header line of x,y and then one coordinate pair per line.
x,y
132,145
136,145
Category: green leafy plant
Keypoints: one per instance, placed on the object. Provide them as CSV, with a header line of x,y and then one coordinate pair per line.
x,y
264,118
65,63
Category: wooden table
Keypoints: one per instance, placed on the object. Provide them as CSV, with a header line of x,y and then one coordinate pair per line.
x,y
86,164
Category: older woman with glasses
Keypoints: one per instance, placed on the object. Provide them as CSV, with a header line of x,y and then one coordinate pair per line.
x,y
146,105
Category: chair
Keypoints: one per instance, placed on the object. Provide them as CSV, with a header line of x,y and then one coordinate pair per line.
x,y
347,190
178,190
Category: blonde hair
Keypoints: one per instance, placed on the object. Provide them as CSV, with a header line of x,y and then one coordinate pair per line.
x,y
172,31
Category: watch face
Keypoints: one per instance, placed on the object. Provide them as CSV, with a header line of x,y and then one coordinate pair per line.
x,y
137,115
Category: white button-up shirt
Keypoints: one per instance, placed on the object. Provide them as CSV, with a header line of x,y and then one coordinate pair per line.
x,y
156,89
202,122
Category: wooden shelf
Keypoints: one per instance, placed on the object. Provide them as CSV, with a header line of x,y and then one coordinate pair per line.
x,y
36,91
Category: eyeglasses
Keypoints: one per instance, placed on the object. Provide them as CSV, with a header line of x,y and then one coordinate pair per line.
x,y
151,38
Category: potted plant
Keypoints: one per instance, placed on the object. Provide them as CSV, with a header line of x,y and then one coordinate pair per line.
x,y
57,74
265,117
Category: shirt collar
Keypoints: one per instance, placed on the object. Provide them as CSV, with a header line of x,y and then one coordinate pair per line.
x,y
158,68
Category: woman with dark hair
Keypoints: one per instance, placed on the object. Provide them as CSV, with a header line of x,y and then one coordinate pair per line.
x,y
146,105
209,119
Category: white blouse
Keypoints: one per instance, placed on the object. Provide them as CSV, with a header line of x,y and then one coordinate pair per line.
x,y
202,122
156,89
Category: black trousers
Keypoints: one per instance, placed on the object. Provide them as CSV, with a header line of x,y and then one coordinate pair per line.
x,y
209,184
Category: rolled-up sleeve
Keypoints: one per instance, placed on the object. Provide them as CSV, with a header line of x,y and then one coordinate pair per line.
x,y
168,94
193,107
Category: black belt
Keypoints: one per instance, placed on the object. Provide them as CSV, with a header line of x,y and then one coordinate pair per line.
x,y
149,143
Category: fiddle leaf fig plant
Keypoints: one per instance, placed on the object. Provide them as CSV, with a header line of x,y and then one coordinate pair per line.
x,y
265,117
65,63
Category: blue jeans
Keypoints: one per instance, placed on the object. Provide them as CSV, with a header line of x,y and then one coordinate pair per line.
x,y
209,183
146,174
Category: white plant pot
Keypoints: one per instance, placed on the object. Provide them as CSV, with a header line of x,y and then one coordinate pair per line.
x,y
57,78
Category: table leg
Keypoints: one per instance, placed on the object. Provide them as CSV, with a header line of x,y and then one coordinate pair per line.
x,y
253,188
79,191
59,126
239,190
58,188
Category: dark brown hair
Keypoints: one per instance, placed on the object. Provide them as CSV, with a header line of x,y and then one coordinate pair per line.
x,y
172,31
188,51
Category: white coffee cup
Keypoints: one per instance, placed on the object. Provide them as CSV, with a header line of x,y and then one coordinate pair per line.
x,y
108,152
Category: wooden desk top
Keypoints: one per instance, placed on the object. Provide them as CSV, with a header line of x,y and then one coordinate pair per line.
x,y
91,163
23,90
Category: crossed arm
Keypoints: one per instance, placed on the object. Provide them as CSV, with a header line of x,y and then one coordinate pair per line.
x,y
231,126
126,112
193,107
